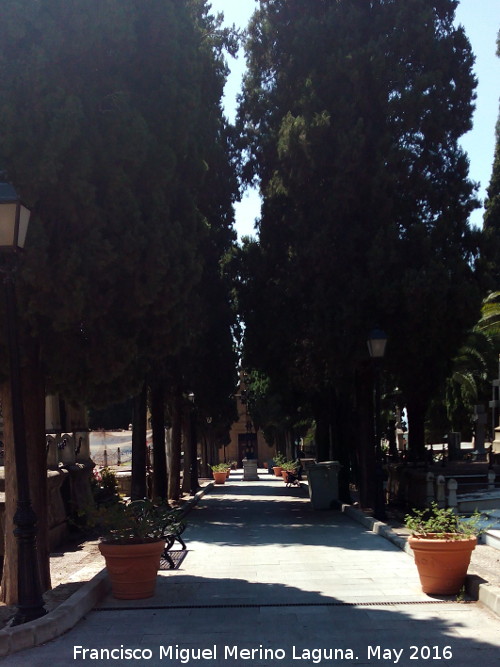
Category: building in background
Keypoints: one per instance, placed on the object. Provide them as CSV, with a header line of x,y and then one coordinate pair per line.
x,y
245,440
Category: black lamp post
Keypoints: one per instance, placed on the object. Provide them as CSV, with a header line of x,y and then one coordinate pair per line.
x,y
14,219
208,447
376,346
193,472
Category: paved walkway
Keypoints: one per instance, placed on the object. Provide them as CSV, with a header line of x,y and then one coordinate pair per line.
x,y
266,573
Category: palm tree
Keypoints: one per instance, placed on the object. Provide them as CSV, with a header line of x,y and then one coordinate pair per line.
x,y
489,324
475,365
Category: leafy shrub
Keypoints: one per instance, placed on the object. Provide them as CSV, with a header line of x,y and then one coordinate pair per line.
x,y
220,467
436,522
279,459
135,522
104,486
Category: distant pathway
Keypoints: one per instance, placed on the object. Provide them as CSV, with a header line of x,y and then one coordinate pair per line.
x,y
268,577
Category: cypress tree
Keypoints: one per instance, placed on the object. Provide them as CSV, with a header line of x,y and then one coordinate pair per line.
x,y
108,137
492,213
351,114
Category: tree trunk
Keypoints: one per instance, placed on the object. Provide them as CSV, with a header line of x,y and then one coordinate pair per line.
x,y
193,446
159,452
365,438
174,472
343,443
322,437
186,442
139,454
334,437
206,455
322,407
34,409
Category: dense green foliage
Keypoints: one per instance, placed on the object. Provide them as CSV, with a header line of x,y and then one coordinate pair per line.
x,y
112,130
349,121
351,115
477,361
492,211
473,369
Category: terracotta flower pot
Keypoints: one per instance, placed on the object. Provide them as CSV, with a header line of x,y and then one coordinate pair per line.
x,y
219,477
277,471
132,568
442,563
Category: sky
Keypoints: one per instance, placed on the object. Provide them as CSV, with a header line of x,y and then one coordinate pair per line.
x,y
481,20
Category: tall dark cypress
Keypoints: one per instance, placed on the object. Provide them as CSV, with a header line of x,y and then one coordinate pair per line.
x,y
350,117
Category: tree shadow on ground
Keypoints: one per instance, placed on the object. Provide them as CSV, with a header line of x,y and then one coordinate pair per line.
x,y
235,519
193,611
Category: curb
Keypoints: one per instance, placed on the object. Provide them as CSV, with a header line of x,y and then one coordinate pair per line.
x,y
189,504
66,615
475,586
60,620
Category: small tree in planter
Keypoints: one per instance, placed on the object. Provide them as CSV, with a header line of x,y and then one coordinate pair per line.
x,y
219,471
279,460
442,543
288,467
132,541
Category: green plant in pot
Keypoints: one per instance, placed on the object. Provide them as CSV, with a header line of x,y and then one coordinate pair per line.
x,y
286,467
442,543
279,460
219,471
132,540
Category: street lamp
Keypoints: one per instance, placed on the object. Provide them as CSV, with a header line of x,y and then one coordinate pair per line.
x,y
208,446
193,472
14,219
376,344
376,347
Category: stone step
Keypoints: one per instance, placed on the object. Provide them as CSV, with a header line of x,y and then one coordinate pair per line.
x,y
492,538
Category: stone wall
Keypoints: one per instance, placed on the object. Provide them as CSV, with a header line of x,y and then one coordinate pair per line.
x,y
413,487
68,491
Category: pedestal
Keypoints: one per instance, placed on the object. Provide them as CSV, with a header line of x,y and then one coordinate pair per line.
x,y
250,470
496,442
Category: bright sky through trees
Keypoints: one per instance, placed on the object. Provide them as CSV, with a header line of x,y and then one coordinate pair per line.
x,y
481,19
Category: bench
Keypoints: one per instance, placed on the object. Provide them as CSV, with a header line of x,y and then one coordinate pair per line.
x,y
172,533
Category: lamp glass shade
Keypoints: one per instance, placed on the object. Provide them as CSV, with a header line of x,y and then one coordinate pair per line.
x,y
8,214
376,344
14,219
24,218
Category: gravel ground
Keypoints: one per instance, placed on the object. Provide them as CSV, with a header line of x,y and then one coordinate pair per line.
x,y
70,568
485,562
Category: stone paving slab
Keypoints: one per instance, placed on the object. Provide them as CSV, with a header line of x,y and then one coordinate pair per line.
x,y
260,565
265,573
465,634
